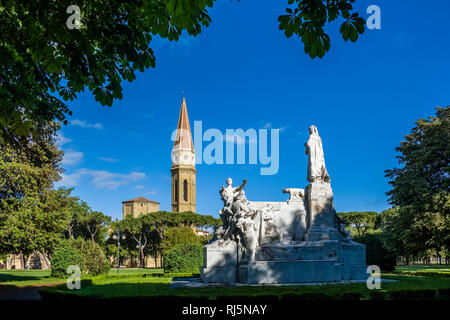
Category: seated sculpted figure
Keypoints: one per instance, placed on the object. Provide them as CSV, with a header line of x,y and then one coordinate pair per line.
x,y
247,229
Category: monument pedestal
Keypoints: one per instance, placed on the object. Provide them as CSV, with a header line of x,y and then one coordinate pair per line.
x,y
288,262
322,234
301,240
220,262
265,272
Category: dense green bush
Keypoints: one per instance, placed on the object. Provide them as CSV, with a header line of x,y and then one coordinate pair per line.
x,y
376,254
94,260
86,254
64,257
176,236
184,258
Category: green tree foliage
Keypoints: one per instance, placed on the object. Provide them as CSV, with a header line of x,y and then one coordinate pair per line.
x,y
394,226
184,258
175,236
42,60
87,223
420,220
94,259
64,257
139,231
41,57
163,219
359,222
77,209
33,215
307,20
93,225
148,231
423,179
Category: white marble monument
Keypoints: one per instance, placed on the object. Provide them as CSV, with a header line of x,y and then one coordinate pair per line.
x,y
300,240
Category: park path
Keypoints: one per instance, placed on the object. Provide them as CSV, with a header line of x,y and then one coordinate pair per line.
x,y
8,292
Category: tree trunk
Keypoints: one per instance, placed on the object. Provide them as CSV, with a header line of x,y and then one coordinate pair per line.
x,y
47,259
142,258
22,262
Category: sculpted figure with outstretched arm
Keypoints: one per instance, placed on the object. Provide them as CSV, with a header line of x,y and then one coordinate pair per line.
x,y
229,195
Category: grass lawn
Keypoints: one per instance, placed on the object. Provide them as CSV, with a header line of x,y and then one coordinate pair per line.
x,y
22,278
135,271
113,287
425,268
144,283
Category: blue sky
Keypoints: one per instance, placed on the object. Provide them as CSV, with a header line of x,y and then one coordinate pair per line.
x,y
242,72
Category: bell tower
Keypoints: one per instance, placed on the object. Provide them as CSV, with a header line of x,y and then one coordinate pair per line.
x,y
183,165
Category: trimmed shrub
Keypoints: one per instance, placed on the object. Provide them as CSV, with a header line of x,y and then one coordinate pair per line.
x,y
376,254
86,254
94,260
184,258
64,257
175,236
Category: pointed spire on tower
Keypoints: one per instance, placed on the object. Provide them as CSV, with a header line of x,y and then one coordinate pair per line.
x,y
183,138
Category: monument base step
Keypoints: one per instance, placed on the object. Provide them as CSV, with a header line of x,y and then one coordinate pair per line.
x,y
219,274
273,272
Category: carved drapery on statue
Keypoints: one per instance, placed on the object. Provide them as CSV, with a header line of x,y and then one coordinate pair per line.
x,y
316,160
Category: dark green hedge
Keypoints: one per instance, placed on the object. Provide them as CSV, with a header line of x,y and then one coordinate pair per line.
x,y
184,258
376,254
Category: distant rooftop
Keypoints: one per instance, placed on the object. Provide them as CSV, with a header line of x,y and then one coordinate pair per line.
x,y
140,199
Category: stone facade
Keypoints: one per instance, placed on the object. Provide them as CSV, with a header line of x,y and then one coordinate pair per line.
x,y
138,206
183,166
34,261
150,262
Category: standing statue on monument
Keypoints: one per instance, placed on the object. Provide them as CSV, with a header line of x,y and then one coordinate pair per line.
x,y
316,160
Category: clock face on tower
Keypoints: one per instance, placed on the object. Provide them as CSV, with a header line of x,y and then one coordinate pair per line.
x,y
183,157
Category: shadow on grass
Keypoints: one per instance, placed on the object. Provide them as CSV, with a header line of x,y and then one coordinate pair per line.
x,y
8,277
158,289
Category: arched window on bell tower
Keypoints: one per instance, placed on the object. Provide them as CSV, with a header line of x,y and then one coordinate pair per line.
x,y
176,190
185,190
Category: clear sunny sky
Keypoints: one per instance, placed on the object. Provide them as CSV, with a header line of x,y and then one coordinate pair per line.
x,y
242,72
